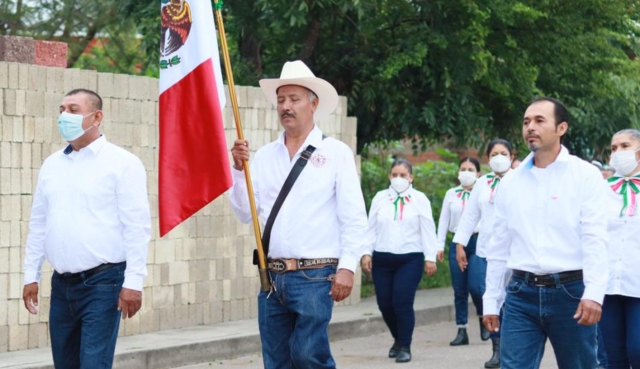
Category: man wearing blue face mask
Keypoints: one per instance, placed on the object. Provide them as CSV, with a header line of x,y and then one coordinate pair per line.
x,y
90,219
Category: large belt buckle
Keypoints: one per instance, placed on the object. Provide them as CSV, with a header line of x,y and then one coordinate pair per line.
x,y
278,265
537,283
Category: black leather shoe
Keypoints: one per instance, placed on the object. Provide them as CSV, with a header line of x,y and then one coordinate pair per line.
x,y
393,351
484,333
404,355
494,362
461,338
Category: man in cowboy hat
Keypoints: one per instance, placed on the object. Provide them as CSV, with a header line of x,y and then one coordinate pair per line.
x,y
317,234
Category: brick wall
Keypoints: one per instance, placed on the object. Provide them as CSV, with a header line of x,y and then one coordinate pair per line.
x,y
200,273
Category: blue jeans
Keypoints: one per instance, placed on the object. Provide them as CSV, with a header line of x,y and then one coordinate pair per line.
x,y
620,327
471,281
601,353
294,320
532,314
84,319
396,278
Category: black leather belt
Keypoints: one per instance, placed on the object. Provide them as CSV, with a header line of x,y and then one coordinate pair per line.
x,y
290,265
546,280
78,277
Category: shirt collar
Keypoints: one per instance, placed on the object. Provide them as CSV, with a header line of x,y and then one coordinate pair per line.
x,y
314,138
393,193
94,147
563,157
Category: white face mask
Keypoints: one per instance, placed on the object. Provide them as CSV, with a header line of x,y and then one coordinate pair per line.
x,y
467,178
500,163
624,162
400,184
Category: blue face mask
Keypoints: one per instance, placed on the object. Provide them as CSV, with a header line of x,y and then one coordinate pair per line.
x,y
70,126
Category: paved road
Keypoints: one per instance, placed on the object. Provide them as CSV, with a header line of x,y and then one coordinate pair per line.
x,y
430,350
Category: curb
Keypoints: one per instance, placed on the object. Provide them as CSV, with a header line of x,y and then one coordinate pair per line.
x,y
250,344
247,344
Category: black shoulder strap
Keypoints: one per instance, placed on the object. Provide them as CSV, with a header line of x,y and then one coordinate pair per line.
x,y
286,188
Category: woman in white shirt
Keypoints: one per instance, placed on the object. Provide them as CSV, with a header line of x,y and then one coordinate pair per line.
x,y
401,242
453,205
479,211
620,324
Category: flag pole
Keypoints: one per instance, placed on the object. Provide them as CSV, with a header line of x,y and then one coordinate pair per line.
x,y
265,282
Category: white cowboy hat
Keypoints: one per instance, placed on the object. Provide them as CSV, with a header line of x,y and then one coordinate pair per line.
x,y
297,73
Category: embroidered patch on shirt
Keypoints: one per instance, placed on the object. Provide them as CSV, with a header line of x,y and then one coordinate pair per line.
x,y
318,160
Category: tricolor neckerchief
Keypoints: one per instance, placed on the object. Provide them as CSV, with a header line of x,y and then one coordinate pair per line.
x,y
493,182
398,203
464,195
628,188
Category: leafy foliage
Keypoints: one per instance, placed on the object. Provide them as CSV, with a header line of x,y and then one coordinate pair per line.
x,y
454,70
98,36
461,71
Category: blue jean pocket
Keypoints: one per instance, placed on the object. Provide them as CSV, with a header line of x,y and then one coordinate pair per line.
x,y
111,279
514,286
319,275
574,290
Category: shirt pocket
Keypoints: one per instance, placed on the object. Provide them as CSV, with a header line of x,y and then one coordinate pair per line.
x,y
318,183
97,194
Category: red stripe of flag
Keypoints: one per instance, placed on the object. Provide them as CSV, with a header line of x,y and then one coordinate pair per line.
x,y
194,163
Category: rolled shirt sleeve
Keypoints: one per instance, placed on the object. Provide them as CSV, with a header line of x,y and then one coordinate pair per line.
x,y
134,213
594,237
34,250
427,229
444,221
351,212
239,194
497,254
372,229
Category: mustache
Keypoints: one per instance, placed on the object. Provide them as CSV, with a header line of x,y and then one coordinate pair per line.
x,y
532,136
287,114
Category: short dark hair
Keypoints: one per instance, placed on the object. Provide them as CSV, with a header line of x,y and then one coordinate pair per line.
x,y
94,99
404,162
559,110
471,160
499,141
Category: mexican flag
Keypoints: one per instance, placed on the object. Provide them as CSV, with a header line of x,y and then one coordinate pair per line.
x,y
194,162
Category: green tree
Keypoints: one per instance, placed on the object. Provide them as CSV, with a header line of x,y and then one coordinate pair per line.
x,y
97,34
455,70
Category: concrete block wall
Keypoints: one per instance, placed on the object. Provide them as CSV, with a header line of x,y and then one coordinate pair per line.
x,y
200,273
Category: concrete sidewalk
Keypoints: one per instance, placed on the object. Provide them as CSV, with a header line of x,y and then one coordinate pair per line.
x,y
200,344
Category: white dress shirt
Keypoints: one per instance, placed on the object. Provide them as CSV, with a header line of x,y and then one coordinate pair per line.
x,y
478,215
549,221
323,216
415,232
90,208
450,215
624,249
